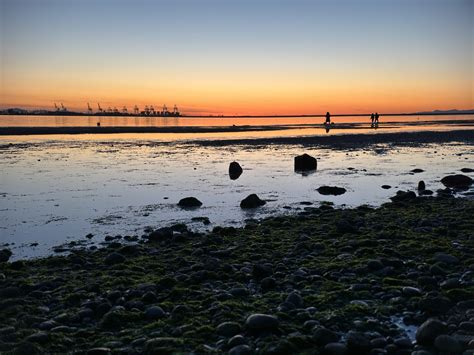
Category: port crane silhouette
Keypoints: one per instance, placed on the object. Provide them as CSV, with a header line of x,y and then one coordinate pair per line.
x,y
89,109
136,110
99,108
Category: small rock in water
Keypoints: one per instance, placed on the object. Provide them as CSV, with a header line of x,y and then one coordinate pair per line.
x,y
251,201
386,187
417,170
305,162
5,255
235,170
261,322
189,202
458,181
467,170
403,196
331,190
421,185
160,234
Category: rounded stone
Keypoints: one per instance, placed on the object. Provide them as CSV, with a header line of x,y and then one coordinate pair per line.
x,y
261,322
228,329
429,330
154,312
447,344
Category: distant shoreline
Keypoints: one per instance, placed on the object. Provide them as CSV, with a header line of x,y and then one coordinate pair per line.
x,y
74,130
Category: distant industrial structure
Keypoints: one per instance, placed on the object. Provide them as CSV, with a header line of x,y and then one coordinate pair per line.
x,y
148,110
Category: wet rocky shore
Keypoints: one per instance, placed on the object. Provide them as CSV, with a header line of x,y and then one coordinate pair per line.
x,y
398,279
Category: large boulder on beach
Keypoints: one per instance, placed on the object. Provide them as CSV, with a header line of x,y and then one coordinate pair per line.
x,y
251,201
331,190
189,202
235,170
457,181
305,162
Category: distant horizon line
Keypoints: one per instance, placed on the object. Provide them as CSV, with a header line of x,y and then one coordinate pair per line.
x,y
43,112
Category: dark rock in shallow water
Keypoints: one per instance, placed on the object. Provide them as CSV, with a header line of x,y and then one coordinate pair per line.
x,y
5,255
160,234
251,201
458,181
189,202
331,190
261,322
235,170
305,162
429,330
467,170
386,187
403,196
417,170
421,185
425,193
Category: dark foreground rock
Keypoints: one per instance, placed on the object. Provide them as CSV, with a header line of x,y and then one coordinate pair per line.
x,y
330,281
305,162
189,202
458,181
5,255
235,170
331,190
251,201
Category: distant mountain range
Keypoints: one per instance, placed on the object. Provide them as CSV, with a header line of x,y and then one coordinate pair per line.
x,y
445,112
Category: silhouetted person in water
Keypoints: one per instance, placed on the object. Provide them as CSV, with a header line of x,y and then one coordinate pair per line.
x,y
328,118
376,118
372,118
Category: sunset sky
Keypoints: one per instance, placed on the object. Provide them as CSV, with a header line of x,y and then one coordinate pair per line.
x,y
238,57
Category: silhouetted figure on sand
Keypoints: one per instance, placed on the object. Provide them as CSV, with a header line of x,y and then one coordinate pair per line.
x,y
328,118
376,118
372,118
